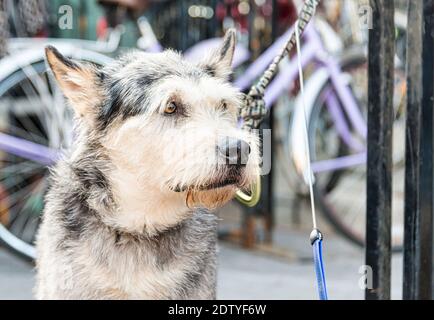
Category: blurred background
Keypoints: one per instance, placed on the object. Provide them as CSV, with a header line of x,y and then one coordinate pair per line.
x,y
265,251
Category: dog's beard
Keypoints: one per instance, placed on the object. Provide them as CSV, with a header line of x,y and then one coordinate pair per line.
x,y
217,192
233,176
210,199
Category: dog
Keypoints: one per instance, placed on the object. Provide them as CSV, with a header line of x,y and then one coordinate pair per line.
x,y
128,214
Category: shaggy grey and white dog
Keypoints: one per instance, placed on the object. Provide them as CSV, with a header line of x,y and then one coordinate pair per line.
x,y
157,146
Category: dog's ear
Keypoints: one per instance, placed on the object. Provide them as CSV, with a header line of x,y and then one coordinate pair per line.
x,y
219,62
80,83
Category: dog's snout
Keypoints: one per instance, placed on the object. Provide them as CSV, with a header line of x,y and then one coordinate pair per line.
x,y
234,151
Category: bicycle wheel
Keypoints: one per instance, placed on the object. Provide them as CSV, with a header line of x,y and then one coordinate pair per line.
x,y
33,114
331,146
341,193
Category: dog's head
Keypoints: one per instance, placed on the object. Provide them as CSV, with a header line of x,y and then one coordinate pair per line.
x,y
169,122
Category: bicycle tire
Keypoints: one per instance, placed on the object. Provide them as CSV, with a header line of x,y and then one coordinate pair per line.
x,y
11,241
322,194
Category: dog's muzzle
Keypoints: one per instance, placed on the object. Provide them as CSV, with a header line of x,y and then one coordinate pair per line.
x,y
232,157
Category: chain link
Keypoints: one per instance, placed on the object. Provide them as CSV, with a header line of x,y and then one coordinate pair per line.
x,y
253,110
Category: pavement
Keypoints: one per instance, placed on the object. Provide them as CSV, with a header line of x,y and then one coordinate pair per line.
x,y
253,275
249,274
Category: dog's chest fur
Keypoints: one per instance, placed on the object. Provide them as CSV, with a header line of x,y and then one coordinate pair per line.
x,y
80,257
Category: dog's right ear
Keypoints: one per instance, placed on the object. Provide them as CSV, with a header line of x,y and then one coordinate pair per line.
x,y
219,62
79,83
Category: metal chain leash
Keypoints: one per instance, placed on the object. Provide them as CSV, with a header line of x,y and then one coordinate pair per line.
x,y
253,111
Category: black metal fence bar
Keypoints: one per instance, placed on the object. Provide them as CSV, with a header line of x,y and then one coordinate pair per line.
x,y
412,148
379,166
419,187
427,151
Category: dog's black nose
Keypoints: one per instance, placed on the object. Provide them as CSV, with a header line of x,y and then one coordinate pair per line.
x,y
234,151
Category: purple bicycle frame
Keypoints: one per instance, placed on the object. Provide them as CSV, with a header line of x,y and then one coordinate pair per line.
x,y
312,51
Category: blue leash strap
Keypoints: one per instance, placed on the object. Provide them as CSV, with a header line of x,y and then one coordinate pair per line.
x,y
316,238
316,235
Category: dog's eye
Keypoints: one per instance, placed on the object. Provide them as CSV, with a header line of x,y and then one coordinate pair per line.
x,y
171,108
224,105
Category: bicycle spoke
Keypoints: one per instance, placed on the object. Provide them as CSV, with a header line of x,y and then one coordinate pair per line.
x,y
48,103
18,195
12,103
28,210
62,111
21,133
352,185
14,181
26,87
14,212
38,196
9,182
39,84
16,164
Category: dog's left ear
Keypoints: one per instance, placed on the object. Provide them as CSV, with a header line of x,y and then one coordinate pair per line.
x,y
79,83
219,62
